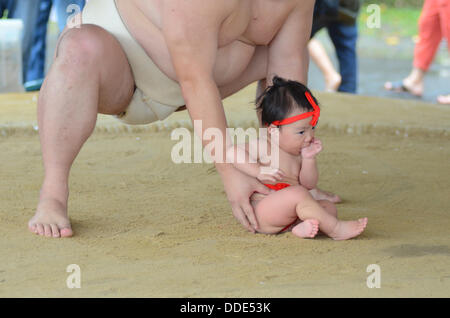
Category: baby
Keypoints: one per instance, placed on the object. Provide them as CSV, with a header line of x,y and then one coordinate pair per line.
x,y
287,108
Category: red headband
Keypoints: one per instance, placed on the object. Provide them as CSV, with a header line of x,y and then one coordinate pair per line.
x,y
315,114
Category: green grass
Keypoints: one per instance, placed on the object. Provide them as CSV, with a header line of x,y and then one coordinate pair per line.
x,y
398,22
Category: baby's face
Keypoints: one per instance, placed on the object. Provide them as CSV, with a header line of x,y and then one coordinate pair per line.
x,y
295,136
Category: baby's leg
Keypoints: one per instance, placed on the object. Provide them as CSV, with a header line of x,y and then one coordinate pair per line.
x,y
310,228
329,206
278,210
326,214
281,208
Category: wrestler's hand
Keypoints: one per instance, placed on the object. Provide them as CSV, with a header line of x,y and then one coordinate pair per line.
x,y
312,150
239,187
268,174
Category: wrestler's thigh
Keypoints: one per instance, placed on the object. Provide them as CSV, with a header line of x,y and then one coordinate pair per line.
x,y
94,47
279,208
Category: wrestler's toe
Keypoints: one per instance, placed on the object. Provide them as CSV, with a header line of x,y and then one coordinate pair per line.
x,y
40,229
47,230
32,228
55,230
66,232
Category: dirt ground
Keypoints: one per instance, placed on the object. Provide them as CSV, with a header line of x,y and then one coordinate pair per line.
x,y
147,227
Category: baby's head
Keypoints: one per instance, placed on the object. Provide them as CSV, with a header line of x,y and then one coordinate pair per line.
x,y
291,107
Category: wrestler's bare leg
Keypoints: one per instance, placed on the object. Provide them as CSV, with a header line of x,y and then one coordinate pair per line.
x,y
90,75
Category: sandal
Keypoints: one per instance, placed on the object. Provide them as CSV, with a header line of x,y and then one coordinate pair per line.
x,y
399,87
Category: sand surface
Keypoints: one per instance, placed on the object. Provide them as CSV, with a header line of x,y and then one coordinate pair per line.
x,y
146,227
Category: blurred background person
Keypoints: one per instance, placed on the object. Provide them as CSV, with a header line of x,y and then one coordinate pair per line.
x,y
27,11
434,25
339,18
320,57
36,64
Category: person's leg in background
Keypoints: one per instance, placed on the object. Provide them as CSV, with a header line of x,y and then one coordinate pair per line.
x,y
344,38
317,52
320,57
6,5
27,11
430,37
445,28
62,6
36,63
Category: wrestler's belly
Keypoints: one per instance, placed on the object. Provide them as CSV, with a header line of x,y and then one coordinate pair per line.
x,y
232,59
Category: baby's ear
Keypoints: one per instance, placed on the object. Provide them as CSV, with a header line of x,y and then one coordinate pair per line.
x,y
272,128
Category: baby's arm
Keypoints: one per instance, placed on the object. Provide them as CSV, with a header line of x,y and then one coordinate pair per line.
x,y
245,158
309,175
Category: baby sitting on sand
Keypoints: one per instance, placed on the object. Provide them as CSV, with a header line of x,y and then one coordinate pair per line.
x,y
289,110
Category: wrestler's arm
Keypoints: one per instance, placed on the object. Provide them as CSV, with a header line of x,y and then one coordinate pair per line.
x,y
289,58
245,158
242,157
191,31
288,51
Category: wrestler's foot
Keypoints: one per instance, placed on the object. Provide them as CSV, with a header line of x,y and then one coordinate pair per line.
x,y
345,230
306,229
332,82
51,219
318,195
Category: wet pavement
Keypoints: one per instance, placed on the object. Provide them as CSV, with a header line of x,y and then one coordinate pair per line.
x,y
374,72
379,62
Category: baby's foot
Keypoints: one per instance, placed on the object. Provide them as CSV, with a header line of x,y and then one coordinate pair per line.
x,y
306,229
50,220
318,195
345,230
